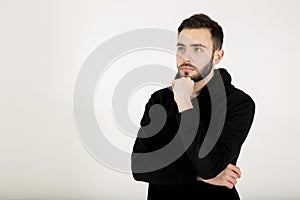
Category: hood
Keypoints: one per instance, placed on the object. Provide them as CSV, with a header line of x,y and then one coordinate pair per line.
x,y
220,82
226,77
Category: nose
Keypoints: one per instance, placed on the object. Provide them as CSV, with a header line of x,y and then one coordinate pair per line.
x,y
187,58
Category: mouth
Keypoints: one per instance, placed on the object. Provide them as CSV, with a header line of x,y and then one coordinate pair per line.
x,y
187,68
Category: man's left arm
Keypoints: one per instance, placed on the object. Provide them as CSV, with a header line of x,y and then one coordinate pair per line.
x,y
236,127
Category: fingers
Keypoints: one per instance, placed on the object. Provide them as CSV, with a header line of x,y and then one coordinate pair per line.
x,y
229,181
229,185
190,81
183,81
228,177
232,174
232,180
187,78
235,169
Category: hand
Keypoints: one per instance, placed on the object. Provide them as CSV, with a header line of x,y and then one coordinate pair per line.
x,y
228,177
183,89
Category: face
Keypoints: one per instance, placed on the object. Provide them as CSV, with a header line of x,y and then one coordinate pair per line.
x,y
194,53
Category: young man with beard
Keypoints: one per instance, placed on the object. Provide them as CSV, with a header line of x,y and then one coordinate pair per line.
x,y
192,132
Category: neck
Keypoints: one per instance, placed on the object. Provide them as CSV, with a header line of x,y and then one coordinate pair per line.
x,y
199,85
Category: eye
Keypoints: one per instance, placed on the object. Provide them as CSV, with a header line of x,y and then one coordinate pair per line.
x,y
180,49
197,49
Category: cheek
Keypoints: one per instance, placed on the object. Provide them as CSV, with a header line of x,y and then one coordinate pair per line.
x,y
179,59
201,61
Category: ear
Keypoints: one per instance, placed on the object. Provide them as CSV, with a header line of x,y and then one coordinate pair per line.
x,y
218,55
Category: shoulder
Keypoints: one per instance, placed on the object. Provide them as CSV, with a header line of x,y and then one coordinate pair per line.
x,y
163,94
239,99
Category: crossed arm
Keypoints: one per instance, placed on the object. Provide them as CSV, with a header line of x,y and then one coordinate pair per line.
x,y
183,89
228,177
215,168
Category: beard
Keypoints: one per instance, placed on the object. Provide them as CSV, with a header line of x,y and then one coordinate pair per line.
x,y
199,76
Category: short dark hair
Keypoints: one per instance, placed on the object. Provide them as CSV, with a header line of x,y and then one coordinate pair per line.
x,y
203,21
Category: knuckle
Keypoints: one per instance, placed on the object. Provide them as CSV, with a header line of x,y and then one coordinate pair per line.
x,y
230,186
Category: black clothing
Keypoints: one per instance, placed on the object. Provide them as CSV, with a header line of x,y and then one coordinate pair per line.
x,y
178,179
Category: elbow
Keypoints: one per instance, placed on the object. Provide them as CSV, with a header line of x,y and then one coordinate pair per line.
x,y
133,170
140,177
135,165
137,176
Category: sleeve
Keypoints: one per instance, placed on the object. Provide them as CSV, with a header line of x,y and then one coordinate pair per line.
x,y
235,130
146,141
237,124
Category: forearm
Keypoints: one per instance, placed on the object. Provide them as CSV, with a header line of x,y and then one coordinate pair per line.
x,y
144,168
228,144
170,175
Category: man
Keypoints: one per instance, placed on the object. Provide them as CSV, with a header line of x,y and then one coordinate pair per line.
x,y
188,146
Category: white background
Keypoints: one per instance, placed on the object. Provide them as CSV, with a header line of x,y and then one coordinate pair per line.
x,y
43,45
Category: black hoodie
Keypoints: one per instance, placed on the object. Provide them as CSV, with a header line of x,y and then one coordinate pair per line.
x,y
173,148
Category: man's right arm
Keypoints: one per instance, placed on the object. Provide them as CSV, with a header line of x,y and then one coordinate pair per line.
x,y
167,175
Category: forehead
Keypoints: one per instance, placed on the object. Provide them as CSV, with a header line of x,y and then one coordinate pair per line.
x,y
192,36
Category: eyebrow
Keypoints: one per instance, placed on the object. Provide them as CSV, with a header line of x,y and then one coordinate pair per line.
x,y
192,45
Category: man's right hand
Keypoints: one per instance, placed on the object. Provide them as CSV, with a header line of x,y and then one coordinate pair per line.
x,y
228,177
183,89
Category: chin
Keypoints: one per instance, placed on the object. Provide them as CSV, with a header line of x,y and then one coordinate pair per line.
x,y
188,74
